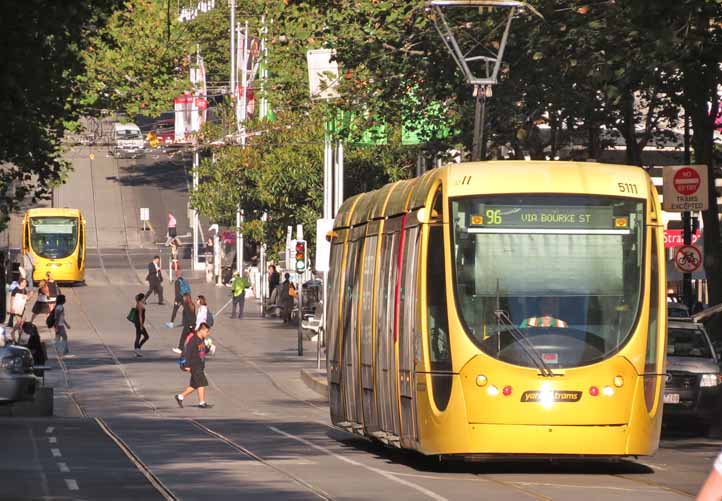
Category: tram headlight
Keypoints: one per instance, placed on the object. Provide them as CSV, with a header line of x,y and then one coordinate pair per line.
x,y
618,381
492,391
710,380
608,391
481,380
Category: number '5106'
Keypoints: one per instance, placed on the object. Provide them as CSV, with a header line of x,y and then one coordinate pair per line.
x,y
627,188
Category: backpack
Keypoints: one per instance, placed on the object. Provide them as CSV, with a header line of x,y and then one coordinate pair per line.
x,y
50,320
209,319
184,288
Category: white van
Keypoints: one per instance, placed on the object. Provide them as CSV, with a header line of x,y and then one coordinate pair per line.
x,y
127,140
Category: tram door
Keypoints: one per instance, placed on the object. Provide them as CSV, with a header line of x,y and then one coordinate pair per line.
x,y
370,416
350,355
407,333
386,395
333,366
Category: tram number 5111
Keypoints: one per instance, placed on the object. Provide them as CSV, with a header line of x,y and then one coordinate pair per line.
x,y
628,188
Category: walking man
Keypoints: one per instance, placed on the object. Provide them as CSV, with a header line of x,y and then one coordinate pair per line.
x,y
61,324
181,288
238,288
154,278
195,354
172,230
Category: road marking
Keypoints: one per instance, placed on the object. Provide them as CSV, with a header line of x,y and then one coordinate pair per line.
x,y
63,467
384,474
49,429
600,487
52,440
55,453
72,484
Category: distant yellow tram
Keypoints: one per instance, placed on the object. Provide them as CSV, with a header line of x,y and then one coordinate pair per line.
x,y
501,308
56,239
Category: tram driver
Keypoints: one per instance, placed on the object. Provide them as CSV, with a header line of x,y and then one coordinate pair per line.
x,y
548,309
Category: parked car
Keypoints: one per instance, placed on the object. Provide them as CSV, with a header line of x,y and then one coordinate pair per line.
x,y
693,386
17,380
677,310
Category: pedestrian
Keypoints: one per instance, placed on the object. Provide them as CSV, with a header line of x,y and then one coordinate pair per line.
x,y
35,344
238,290
155,279
53,290
172,230
195,349
19,298
712,488
286,296
274,279
181,288
29,265
209,253
41,306
201,311
61,324
140,330
174,261
189,321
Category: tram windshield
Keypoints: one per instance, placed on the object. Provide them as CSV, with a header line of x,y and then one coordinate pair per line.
x,y
53,237
565,270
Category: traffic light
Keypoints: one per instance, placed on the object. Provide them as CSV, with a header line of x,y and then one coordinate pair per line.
x,y
301,256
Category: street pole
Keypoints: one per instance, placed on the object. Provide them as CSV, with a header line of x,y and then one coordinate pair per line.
x,y
233,48
338,189
687,222
299,237
194,254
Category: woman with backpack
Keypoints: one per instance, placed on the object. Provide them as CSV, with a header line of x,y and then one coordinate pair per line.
x,y
189,322
141,334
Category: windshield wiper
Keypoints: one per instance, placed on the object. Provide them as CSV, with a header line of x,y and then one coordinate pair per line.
x,y
527,346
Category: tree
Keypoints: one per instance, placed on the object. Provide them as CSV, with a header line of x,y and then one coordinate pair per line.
x,y
40,59
138,62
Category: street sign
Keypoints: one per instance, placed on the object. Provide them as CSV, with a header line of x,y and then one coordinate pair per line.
x,y
685,188
674,238
323,246
144,214
323,77
688,259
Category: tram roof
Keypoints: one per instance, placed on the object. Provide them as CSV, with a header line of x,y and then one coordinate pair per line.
x,y
502,176
53,211
512,176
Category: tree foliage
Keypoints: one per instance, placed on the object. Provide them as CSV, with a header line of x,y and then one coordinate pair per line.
x,y
40,57
138,62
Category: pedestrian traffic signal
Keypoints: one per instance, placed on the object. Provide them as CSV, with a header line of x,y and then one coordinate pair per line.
x,y
300,256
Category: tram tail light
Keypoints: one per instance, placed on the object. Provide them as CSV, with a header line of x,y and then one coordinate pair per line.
x,y
506,391
594,391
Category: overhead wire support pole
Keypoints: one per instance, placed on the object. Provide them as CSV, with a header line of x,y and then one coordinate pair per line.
x,y
483,82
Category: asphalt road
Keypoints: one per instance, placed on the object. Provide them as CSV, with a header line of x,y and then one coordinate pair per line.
x,y
117,433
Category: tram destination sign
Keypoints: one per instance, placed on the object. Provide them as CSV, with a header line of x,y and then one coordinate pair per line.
x,y
546,217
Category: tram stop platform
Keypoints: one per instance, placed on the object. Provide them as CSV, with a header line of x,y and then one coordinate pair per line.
x,y
316,380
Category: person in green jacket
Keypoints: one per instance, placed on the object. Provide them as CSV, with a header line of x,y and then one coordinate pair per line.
x,y
238,288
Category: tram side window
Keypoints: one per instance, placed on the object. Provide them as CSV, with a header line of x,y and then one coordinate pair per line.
x,y
439,350
652,331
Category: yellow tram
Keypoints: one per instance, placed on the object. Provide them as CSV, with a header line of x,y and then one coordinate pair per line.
x,y
56,239
501,308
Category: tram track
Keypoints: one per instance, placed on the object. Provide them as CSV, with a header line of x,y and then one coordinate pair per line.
x,y
134,457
